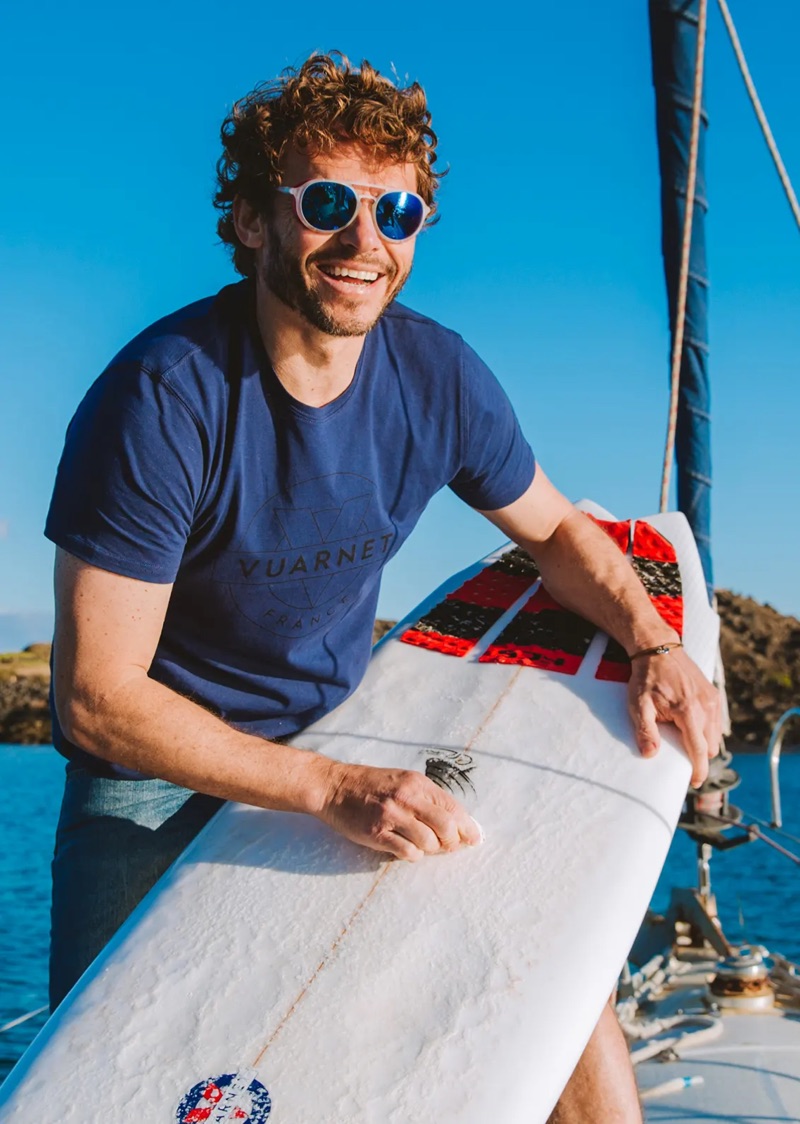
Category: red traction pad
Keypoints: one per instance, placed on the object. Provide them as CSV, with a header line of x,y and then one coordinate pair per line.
x,y
614,667
648,543
671,610
546,635
531,655
543,634
618,530
491,589
455,625
438,642
656,563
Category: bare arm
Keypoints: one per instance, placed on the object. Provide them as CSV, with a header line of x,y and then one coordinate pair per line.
x,y
583,570
107,630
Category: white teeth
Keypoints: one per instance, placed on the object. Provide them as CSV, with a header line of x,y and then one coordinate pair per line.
x,y
356,274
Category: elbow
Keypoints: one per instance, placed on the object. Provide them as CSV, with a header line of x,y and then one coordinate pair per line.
x,y
94,712
77,714
84,707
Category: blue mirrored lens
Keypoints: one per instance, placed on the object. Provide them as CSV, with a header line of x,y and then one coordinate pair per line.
x,y
399,214
329,206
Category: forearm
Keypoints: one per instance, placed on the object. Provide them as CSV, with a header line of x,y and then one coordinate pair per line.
x,y
583,569
107,631
143,725
587,573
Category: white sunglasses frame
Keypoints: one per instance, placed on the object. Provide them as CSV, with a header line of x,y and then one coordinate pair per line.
x,y
361,191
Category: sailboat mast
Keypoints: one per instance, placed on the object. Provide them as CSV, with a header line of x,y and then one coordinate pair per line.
x,y
674,26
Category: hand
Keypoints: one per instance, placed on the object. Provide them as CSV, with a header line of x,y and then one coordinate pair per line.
x,y
671,688
395,810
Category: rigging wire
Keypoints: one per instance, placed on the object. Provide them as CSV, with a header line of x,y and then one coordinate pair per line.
x,y
23,1018
680,314
759,112
754,831
683,282
775,830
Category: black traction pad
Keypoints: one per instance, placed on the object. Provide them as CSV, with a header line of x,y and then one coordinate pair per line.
x,y
455,625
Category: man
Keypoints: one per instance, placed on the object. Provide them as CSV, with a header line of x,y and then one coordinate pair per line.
x,y
229,492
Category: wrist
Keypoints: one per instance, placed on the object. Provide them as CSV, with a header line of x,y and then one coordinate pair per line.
x,y
319,784
655,650
646,639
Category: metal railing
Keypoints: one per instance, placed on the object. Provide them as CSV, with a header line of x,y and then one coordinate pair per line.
x,y
774,754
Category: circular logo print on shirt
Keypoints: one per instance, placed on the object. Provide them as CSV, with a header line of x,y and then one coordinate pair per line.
x,y
293,568
232,1098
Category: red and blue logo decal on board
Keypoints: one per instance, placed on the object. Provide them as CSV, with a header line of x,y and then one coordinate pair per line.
x,y
232,1098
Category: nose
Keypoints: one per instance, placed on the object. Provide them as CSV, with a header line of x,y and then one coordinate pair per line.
x,y
362,234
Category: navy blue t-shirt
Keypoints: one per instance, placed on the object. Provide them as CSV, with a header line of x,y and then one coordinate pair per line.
x,y
188,462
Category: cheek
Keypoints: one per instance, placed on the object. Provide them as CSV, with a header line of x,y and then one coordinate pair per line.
x,y
305,245
284,237
404,258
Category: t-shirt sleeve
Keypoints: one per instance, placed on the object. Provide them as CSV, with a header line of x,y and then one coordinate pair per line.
x,y
129,477
497,464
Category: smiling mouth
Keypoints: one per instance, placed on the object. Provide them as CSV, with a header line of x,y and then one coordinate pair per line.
x,y
350,276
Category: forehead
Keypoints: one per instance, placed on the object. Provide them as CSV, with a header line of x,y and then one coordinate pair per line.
x,y
352,163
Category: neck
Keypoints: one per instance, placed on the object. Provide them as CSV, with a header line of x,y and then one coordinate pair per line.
x,y
314,367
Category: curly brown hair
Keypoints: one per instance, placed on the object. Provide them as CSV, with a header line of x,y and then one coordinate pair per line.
x,y
315,107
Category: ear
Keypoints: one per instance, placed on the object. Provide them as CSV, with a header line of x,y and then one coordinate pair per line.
x,y
248,223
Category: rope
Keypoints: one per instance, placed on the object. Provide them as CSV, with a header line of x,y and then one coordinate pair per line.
x,y
683,283
754,832
708,1028
22,1019
775,830
762,120
785,978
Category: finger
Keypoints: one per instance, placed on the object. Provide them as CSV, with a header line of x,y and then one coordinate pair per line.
x,y
453,827
447,817
694,741
471,832
643,713
401,848
713,736
420,835
714,726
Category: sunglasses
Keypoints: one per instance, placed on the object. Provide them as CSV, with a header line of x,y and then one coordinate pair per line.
x,y
328,206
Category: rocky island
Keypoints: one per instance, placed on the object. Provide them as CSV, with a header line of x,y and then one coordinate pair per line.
x,y
760,650
24,691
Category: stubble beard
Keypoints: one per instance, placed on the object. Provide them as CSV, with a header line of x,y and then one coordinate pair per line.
x,y
282,275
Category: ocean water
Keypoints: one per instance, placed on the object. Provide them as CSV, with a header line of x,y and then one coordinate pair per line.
x,y
758,890
31,780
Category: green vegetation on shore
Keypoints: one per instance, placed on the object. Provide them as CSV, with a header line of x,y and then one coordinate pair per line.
x,y
34,660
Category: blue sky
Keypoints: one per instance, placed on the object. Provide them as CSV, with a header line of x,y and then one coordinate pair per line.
x,y
547,257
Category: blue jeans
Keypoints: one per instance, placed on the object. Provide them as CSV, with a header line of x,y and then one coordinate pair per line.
x,y
115,838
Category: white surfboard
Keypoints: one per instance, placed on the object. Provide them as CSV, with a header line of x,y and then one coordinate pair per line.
x,y
279,973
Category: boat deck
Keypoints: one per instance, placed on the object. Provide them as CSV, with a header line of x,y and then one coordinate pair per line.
x,y
703,1061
